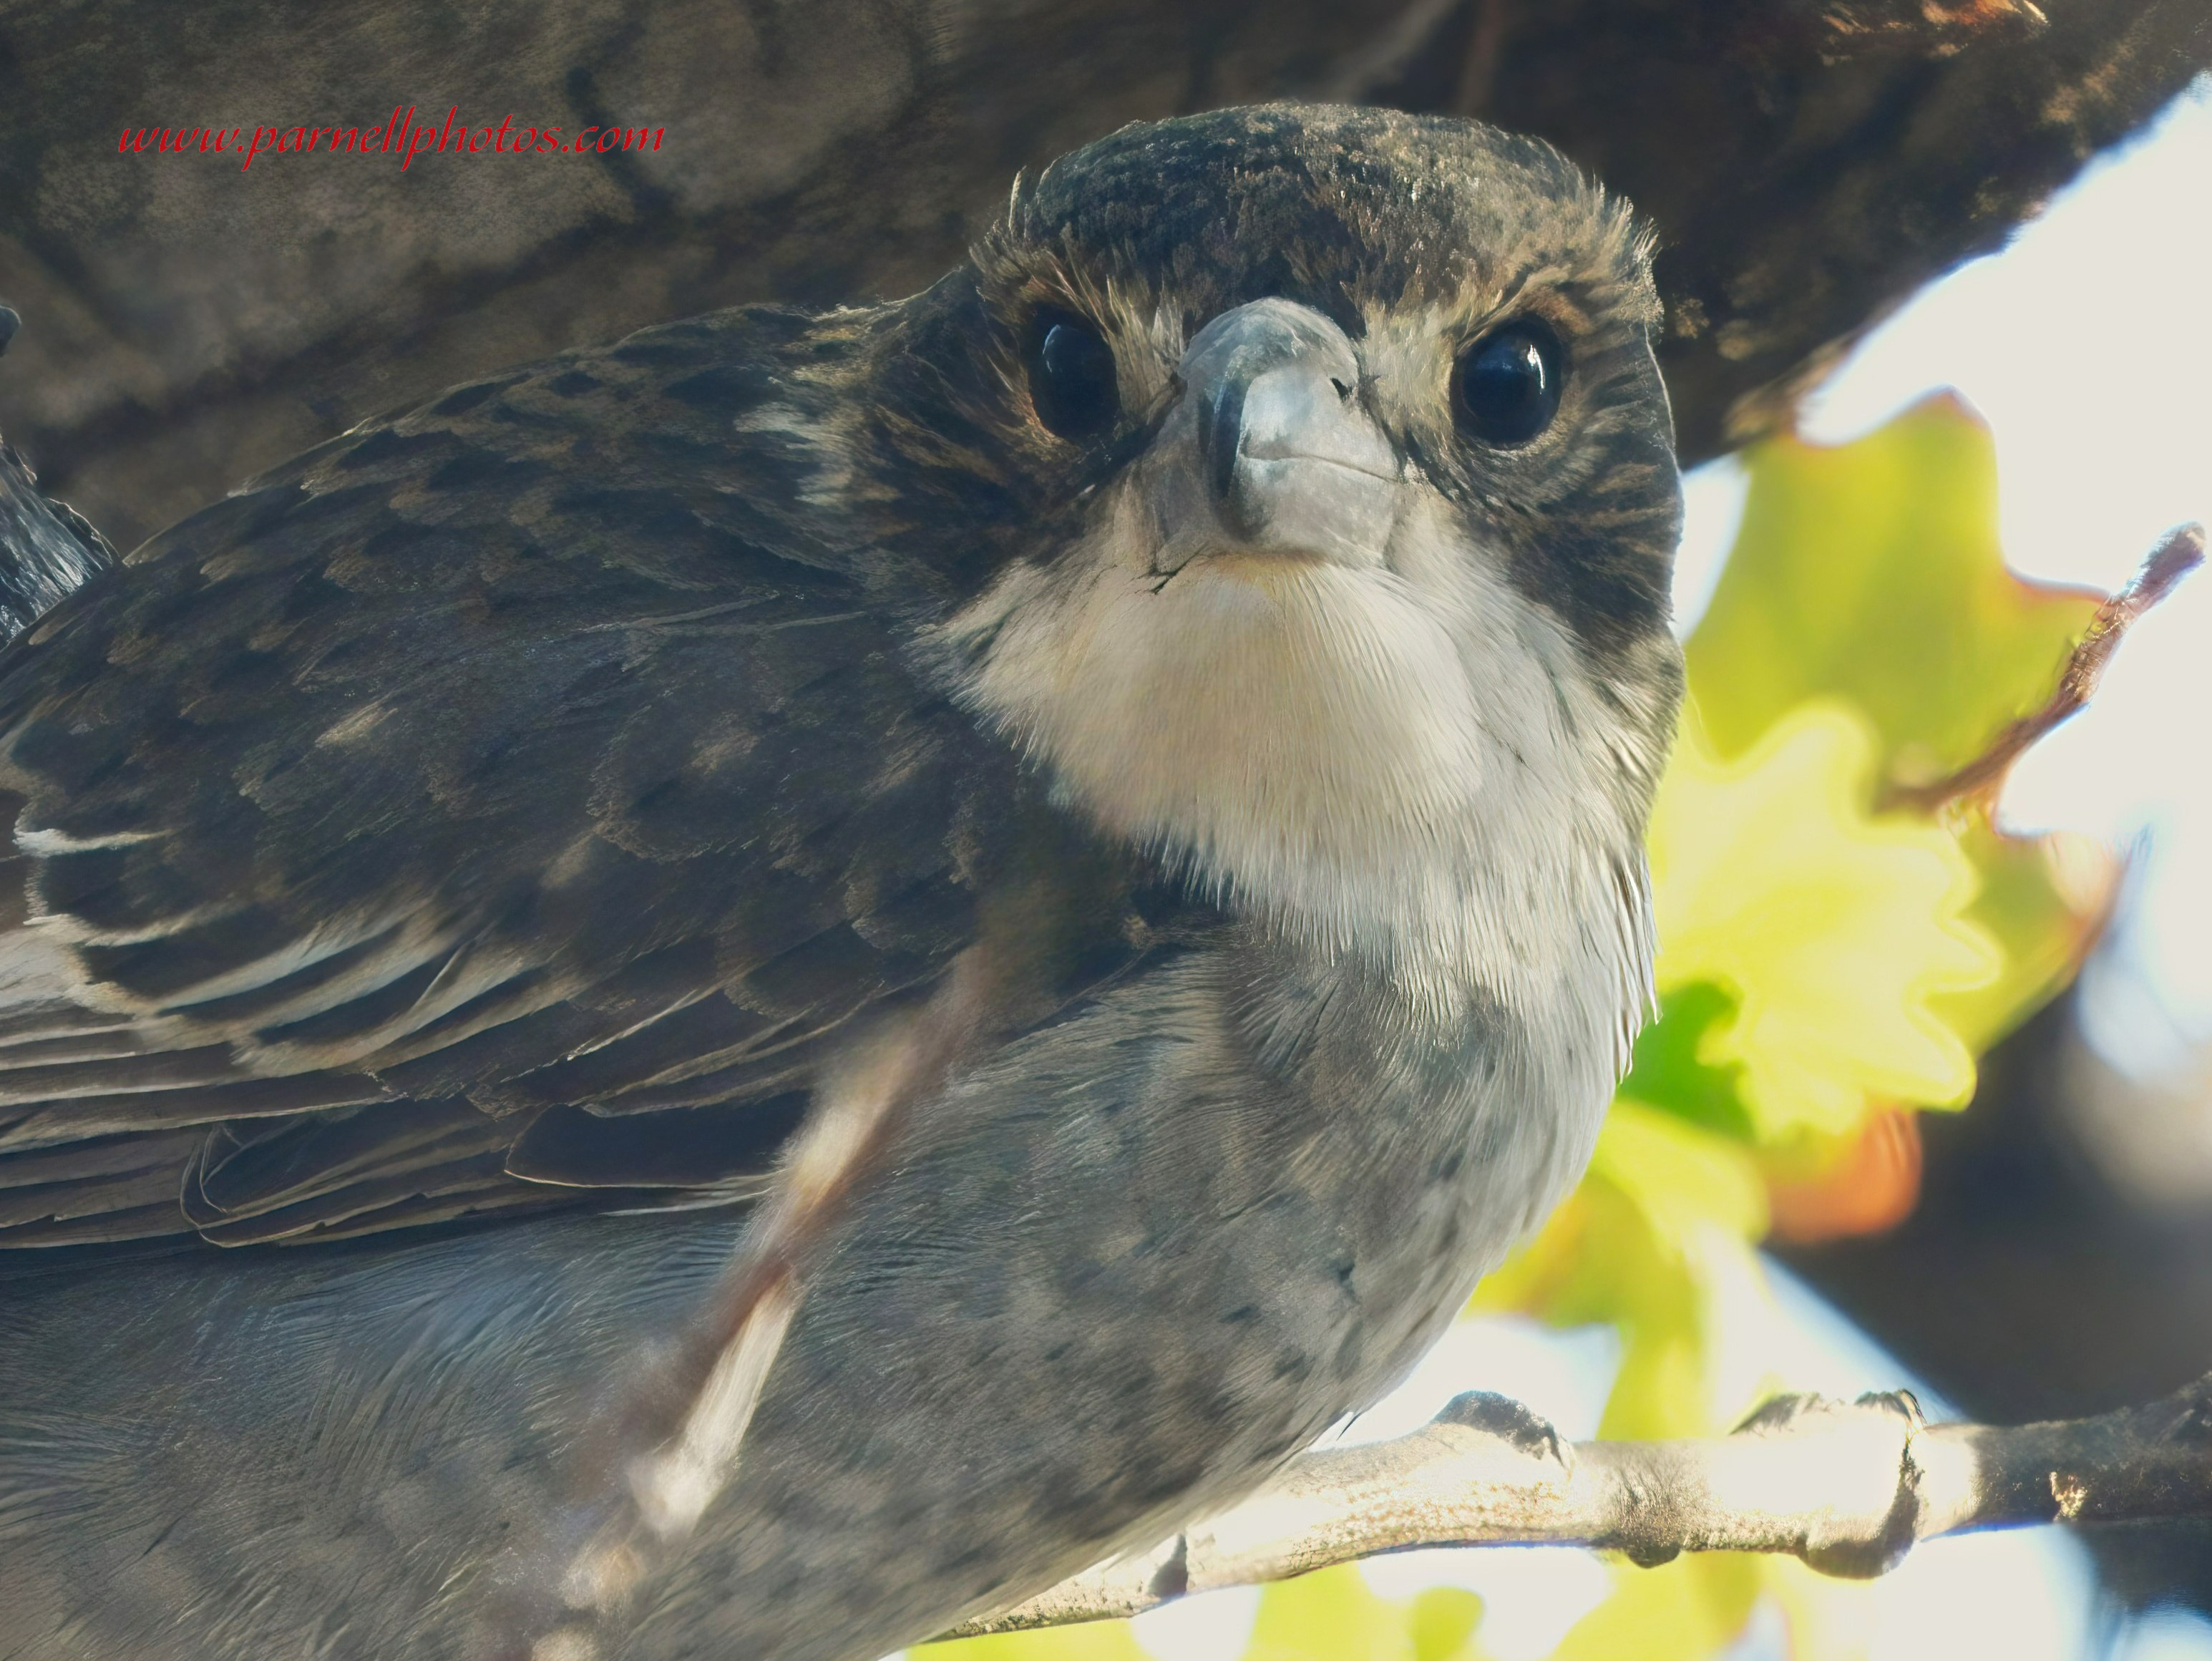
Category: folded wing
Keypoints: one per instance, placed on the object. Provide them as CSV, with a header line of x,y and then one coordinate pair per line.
x,y
507,801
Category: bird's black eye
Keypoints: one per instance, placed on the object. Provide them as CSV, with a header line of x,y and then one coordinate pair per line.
x,y
1072,381
1505,387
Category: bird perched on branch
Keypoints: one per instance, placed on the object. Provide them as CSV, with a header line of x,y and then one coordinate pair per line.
x,y
753,991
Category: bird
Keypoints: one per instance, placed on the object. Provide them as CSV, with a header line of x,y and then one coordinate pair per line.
x,y
753,991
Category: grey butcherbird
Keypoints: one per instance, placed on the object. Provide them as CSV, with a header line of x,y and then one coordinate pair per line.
x,y
752,991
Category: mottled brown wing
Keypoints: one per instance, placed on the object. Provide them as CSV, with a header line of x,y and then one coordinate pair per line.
x,y
515,794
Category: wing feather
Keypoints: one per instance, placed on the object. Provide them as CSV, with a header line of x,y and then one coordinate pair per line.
x,y
506,804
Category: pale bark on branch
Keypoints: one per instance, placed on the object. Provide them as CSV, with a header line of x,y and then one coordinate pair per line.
x,y
1846,1487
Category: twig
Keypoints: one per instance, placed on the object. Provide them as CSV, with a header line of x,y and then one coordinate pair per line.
x,y
1846,1487
2182,552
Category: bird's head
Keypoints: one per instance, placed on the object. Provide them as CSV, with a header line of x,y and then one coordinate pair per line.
x,y
1320,500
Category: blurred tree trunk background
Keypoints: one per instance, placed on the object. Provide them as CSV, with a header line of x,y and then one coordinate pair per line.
x,y
1808,164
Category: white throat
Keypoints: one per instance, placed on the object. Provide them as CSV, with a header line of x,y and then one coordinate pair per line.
x,y
1401,758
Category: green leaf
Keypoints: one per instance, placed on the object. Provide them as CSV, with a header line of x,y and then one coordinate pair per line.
x,y
1685,1611
1683,1180
1328,1616
1095,1640
1671,1070
2042,900
1442,1621
1871,571
1332,1616
1830,928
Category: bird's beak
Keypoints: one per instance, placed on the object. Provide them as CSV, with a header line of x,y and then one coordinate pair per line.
x,y
1272,449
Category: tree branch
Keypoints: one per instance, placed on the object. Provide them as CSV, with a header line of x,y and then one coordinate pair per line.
x,y
1846,1487
2180,553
